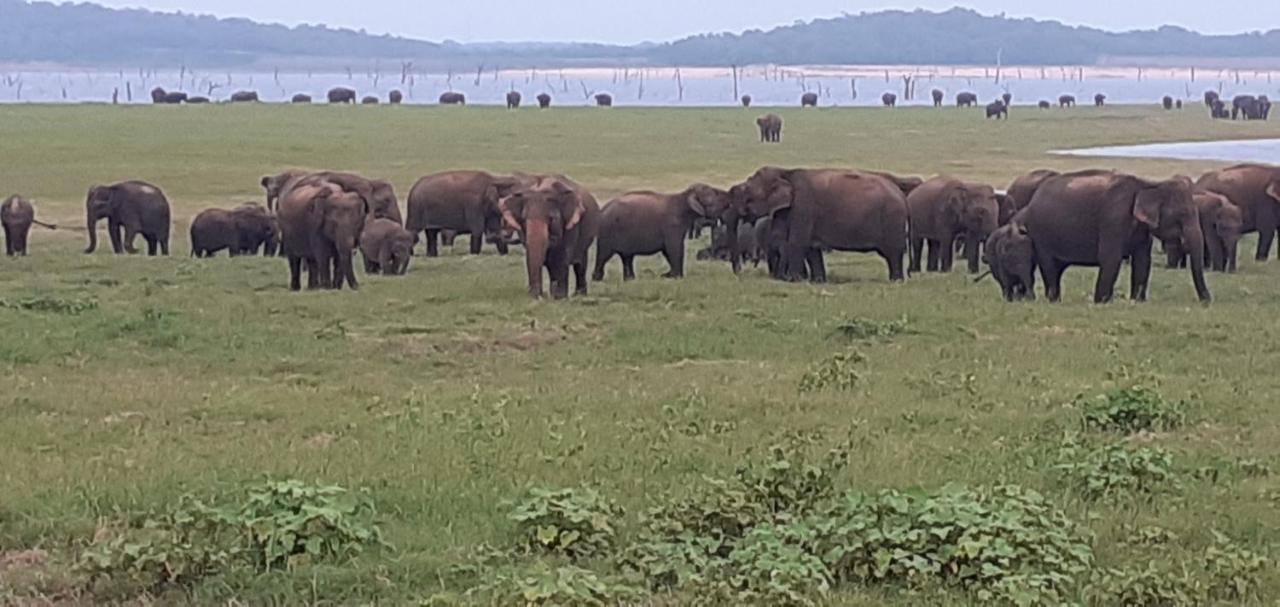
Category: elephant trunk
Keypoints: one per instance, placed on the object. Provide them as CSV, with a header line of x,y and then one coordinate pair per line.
x,y
536,239
91,223
1194,244
731,234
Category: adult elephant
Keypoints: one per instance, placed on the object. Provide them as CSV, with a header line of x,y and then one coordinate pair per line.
x,y
17,216
1245,106
544,100
1255,188
240,230
513,100
342,94
1023,189
938,96
198,100
161,96
943,209
997,109
746,100
604,100
1221,222
395,97
1100,218
274,184
301,98
1099,100
452,98
1067,101
1211,97
463,201
966,99
1166,102
809,100
320,225
825,209
889,100
130,208
770,128
557,220
647,223
244,97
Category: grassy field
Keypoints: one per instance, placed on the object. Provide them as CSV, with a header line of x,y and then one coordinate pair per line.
x,y
130,382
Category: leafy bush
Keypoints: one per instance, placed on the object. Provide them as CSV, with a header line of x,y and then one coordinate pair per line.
x,y
1132,410
864,328
837,372
1226,572
775,565
1233,571
1146,587
1116,470
575,522
542,584
55,305
289,522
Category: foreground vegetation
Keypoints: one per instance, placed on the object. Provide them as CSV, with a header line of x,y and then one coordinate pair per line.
x,y
189,430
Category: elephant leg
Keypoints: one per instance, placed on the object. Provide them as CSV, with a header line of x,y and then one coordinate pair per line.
x,y
817,265
558,268
894,259
153,244
1108,271
973,251
948,254
580,277
1051,271
323,267
1266,221
345,264
8,241
934,262
917,248
501,245
113,231
370,267
295,273
313,274
476,225
130,235
1231,259
674,252
604,254
1140,273
628,267
433,246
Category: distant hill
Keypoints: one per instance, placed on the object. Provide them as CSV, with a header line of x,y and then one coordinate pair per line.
x,y
91,35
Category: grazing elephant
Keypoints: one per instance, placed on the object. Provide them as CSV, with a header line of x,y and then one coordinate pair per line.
x,y
1219,110
557,220
604,100
943,209
16,216
463,201
1211,97
395,97
1044,105
161,96
301,98
938,96
998,110
1101,218
770,128
966,99
1167,103
746,101
452,98
240,230
342,94
244,97
513,100
157,95
320,224
544,100
1247,107
1024,188
809,100
130,208
1264,106
1007,98
747,247
1010,255
1099,100
825,209
889,100
1255,188
369,100
198,100
1221,223
274,184
378,194
386,247
646,223
1069,101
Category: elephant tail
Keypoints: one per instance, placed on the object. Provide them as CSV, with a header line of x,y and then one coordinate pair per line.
x,y
48,226
982,277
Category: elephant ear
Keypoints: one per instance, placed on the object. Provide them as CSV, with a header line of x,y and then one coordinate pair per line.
x,y
1273,190
1148,205
320,207
692,198
266,182
571,205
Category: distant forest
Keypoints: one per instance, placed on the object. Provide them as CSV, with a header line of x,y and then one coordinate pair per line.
x,y
90,35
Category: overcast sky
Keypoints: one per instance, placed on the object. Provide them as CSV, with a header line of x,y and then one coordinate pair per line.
x,y
630,21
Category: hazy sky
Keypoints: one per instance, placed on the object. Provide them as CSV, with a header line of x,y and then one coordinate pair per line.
x,y
629,21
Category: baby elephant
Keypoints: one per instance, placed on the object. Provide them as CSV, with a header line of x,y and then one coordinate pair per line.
x,y
386,247
240,230
720,250
645,223
17,215
770,128
1010,254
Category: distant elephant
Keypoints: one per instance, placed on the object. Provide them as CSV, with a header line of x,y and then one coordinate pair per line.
x,y
342,94
238,231
1099,100
889,100
997,109
966,99
1255,188
1219,110
301,98
1222,224
395,97
452,98
1167,102
369,100
746,101
1100,218
513,100
244,97
158,95
544,100
557,220
938,96
1264,107
943,209
386,247
320,225
1010,255
825,209
130,208
161,96
16,216
770,128
274,184
1023,189
1069,101
198,100
604,100
1044,105
1177,104
647,223
1211,97
1007,98
809,100
1247,107
463,201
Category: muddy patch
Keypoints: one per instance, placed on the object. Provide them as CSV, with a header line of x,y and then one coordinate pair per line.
x,y
518,339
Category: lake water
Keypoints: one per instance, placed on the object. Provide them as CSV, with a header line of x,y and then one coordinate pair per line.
x,y
769,86
1253,150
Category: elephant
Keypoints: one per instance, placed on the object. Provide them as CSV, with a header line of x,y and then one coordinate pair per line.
x,y
240,230
369,100
1255,188
1219,110
1024,188
966,99
746,101
1100,218
1069,101
1044,105
809,100
825,209
943,209
197,100
702,223
646,223
1211,97
998,110
770,128
544,100
557,220
1007,209
301,98
342,94
1264,106
161,96
604,100
513,100
463,201
889,100
244,97
386,247
453,98
1010,255
1099,100
274,184
938,96
130,208
320,225
378,194
1221,223
747,247
16,216
1167,103
1177,104
395,97
1247,107
906,185
1007,98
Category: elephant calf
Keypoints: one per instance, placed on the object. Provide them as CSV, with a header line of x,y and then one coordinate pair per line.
x,y
746,249
17,215
386,247
645,223
770,128
944,208
240,230
1010,255
130,208
998,109
1222,223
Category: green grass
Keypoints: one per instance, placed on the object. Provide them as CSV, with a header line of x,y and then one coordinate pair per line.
x,y
195,376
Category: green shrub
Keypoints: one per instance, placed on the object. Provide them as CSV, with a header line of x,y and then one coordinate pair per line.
x,y
775,565
578,523
838,372
865,329
290,522
53,305
1233,571
1132,410
1146,587
1116,470
543,584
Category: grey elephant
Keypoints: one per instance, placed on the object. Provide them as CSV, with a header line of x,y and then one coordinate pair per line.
x,y
938,96
301,98
809,100
131,208
966,99
395,97
513,100
463,201
274,184
453,98
604,100
369,100
998,109
342,94
770,128
386,247
746,100
647,223
544,100
320,225
943,209
244,97
746,250
241,230
1255,188
1066,101
557,220
889,100
1010,256
1222,223
17,215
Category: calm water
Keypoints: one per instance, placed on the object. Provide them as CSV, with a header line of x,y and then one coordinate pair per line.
x,y
1255,150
